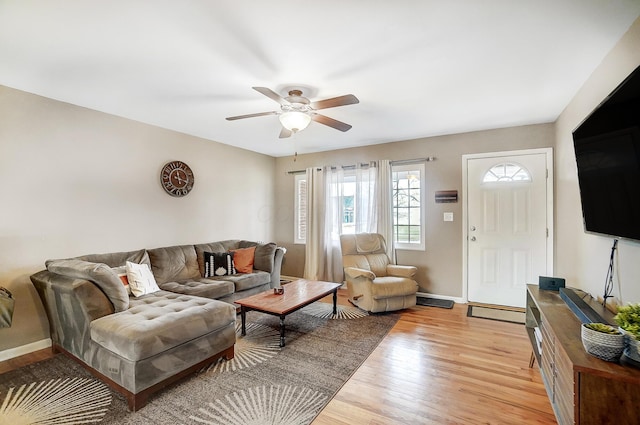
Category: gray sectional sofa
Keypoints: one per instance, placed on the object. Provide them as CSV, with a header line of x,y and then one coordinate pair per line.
x,y
138,345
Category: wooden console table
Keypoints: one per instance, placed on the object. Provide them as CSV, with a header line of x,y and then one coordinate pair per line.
x,y
582,388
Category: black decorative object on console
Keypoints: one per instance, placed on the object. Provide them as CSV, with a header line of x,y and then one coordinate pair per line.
x,y
550,283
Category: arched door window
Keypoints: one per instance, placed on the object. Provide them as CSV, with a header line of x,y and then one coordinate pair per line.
x,y
507,172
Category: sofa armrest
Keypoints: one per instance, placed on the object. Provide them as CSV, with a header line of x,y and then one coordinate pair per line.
x,y
359,282
71,304
277,266
354,273
401,271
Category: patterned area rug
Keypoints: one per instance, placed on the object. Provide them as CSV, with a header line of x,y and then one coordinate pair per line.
x,y
325,311
263,384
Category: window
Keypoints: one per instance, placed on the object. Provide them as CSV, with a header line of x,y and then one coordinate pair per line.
x,y
408,208
300,209
348,209
343,194
506,172
349,196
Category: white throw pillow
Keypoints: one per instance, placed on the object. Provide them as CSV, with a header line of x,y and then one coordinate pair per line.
x,y
141,280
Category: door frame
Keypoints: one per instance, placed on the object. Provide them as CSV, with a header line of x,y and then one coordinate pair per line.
x,y
548,152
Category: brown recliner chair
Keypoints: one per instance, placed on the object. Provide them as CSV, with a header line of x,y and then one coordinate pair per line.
x,y
373,283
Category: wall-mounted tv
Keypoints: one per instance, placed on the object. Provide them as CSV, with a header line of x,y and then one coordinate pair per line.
x,y
607,147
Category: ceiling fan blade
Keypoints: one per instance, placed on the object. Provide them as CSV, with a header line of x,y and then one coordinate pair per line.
x,y
338,125
259,114
347,99
272,95
284,133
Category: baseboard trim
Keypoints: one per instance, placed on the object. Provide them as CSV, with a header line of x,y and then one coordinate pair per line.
x,y
456,300
24,349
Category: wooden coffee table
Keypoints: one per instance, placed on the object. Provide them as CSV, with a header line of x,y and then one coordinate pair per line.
x,y
297,294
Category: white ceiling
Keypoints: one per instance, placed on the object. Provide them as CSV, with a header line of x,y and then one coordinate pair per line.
x,y
420,68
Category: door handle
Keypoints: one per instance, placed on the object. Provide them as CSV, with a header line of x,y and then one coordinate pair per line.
x,y
473,238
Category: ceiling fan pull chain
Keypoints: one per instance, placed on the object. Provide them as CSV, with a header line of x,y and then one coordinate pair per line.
x,y
295,155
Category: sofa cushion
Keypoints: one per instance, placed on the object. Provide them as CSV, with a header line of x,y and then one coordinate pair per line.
x,y
174,263
264,255
157,322
392,286
247,280
118,259
356,261
221,246
100,274
229,244
378,263
208,288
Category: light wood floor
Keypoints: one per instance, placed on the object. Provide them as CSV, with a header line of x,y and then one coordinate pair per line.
x,y
436,366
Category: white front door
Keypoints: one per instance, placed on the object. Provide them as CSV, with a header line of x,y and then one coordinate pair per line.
x,y
507,226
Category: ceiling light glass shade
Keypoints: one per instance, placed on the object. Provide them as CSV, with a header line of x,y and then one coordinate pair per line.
x,y
294,120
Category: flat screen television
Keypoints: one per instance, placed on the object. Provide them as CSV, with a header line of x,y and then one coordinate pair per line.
x,y
607,148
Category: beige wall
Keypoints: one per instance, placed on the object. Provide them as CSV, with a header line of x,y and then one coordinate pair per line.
x,y
77,181
440,265
581,258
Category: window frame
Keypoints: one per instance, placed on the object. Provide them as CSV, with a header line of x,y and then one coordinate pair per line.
x,y
420,167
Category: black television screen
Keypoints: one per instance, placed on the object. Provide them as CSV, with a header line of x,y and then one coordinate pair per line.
x,y
607,147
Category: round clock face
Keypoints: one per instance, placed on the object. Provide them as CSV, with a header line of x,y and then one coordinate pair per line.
x,y
176,178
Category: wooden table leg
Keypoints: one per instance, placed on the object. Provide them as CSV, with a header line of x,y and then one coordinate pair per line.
x,y
243,315
282,330
335,301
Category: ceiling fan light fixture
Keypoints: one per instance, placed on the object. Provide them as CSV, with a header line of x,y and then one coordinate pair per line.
x,y
296,111
294,120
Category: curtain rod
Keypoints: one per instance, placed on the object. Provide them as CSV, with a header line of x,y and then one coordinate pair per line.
x,y
398,162
333,167
411,161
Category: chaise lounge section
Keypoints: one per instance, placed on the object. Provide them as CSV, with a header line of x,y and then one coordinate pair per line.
x,y
138,345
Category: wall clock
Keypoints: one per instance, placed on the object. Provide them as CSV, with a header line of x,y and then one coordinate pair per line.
x,y
176,178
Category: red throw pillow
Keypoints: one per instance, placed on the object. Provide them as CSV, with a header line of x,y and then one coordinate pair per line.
x,y
243,259
122,275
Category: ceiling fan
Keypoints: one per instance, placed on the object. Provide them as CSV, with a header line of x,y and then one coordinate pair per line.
x,y
296,111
